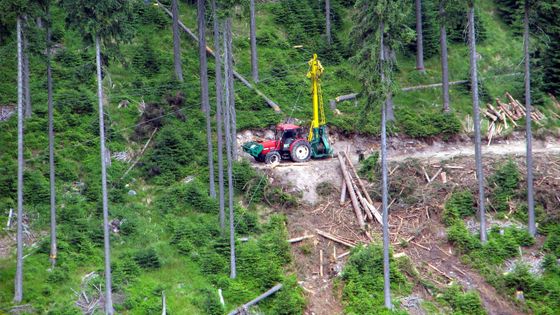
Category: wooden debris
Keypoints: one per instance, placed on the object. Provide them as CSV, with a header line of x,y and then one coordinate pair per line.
x,y
299,239
343,192
512,111
439,271
350,191
321,263
245,307
443,177
335,238
343,255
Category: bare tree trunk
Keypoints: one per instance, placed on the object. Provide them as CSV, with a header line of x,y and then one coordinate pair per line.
x,y
328,21
254,57
227,123
26,88
18,292
529,135
419,38
219,108
201,11
108,289
176,41
388,53
384,182
51,145
231,97
476,119
444,65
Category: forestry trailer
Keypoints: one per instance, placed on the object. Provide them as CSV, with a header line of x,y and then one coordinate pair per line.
x,y
291,141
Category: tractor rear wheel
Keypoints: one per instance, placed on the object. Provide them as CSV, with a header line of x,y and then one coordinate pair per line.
x,y
272,157
301,151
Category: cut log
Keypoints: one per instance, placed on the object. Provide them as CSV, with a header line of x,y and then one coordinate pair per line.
x,y
299,239
362,186
346,97
375,213
335,238
343,192
350,191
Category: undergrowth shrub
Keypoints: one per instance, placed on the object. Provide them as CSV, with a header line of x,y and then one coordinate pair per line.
x,y
504,183
461,238
463,303
552,242
369,168
147,258
458,206
363,282
427,123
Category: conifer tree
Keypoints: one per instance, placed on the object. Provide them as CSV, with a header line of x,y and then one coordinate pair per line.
x,y
99,20
476,118
365,36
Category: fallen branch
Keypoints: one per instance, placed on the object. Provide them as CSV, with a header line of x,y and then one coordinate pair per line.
x,y
441,272
140,154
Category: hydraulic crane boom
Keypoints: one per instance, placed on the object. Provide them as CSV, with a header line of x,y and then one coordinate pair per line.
x,y
318,137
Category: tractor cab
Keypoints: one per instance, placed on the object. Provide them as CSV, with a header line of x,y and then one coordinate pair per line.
x,y
290,142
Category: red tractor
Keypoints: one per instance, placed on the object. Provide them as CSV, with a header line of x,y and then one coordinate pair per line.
x,y
290,143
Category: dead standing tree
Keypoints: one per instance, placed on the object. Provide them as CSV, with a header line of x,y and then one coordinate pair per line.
x,y
419,39
201,11
443,50
229,145
253,35
219,114
18,292
529,135
176,41
476,120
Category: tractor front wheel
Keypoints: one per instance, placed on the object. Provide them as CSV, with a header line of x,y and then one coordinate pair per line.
x,y
272,157
301,151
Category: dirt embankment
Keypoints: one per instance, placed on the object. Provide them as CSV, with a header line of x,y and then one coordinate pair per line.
x,y
415,213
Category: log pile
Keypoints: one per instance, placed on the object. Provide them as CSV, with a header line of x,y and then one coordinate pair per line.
x,y
354,187
505,115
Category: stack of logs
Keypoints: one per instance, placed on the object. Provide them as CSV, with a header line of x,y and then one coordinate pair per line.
x,y
500,114
354,187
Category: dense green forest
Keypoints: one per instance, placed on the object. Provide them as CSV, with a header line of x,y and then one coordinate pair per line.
x,y
165,230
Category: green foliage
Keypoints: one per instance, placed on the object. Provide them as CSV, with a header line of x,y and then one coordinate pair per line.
x,y
463,303
369,168
552,242
427,123
365,36
145,59
110,19
147,258
176,152
458,206
363,282
460,237
505,182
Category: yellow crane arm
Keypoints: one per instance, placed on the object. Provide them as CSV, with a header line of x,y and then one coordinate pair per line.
x,y
315,72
